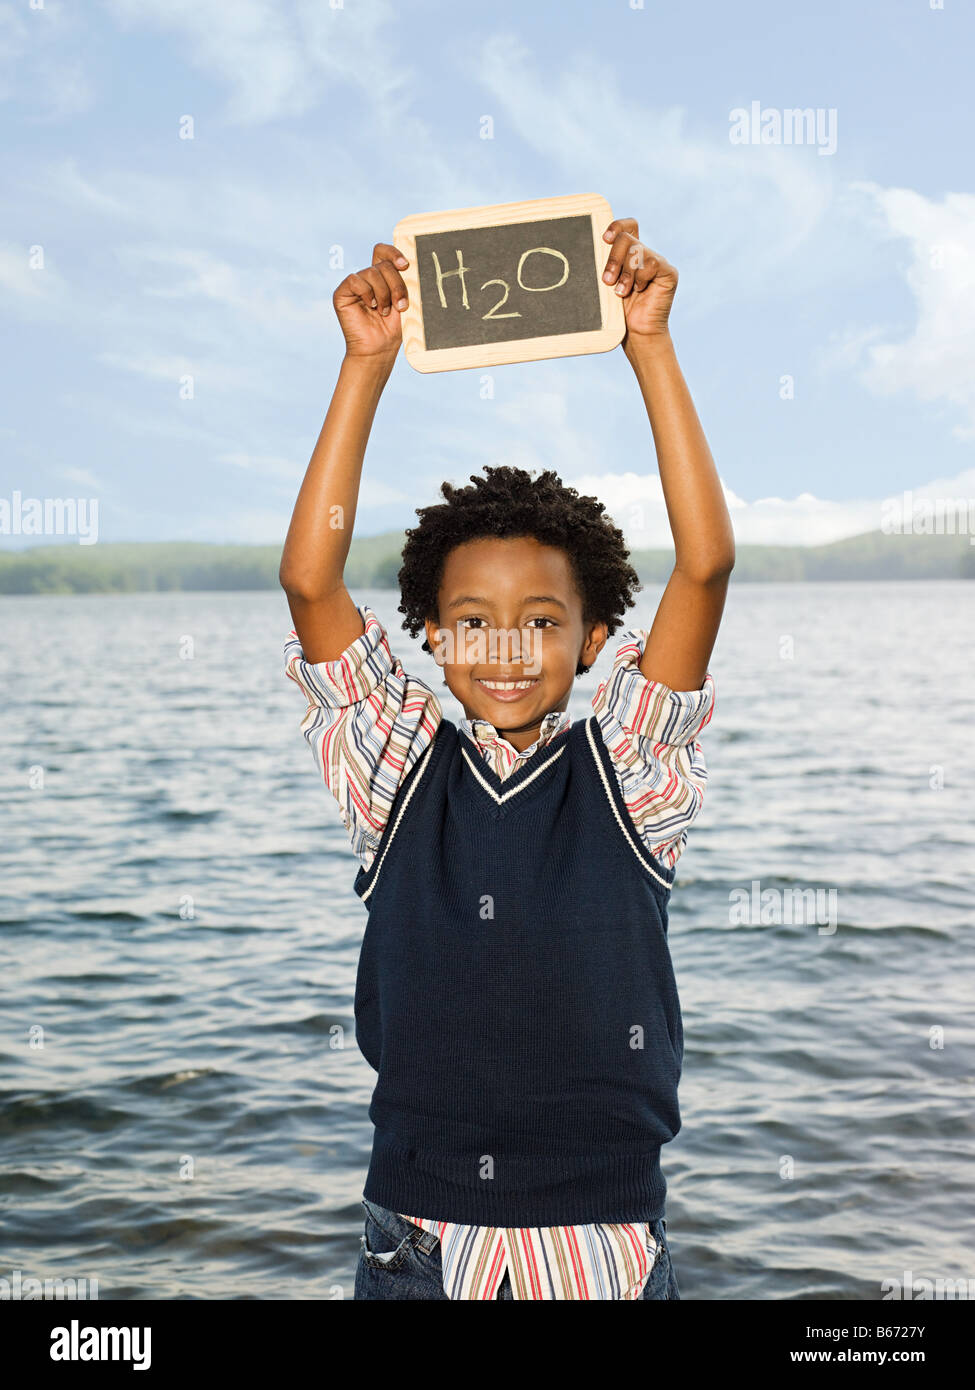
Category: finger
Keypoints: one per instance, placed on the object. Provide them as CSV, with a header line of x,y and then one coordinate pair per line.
x,y
626,224
627,255
642,267
397,289
386,251
623,233
359,285
381,299
653,268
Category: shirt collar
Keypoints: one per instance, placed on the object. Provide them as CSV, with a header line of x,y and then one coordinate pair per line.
x,y
483,732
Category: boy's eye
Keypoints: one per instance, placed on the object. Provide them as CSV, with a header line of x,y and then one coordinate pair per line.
x,y
540,619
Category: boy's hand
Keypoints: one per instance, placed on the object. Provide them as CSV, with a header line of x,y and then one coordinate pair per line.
x,y
368,303
643,279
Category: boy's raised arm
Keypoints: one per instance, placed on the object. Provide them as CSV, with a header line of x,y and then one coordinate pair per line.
x,y
678,647
368,304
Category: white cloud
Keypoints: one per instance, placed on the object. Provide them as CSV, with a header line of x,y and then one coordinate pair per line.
x,y
372,493
935,361
278,302
249,45
206,374
40,286
581,120
257,526
264,465
38,68
111,415
636,503
375,493
225,269
83,477
282,212
277,60
535,425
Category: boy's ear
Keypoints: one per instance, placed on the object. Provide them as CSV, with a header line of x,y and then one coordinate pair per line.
x,y
433,636
595,642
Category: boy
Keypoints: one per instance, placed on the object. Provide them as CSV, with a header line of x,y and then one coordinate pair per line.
x,y
515,992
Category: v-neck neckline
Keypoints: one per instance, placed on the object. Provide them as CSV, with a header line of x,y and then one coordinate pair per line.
x,y
503,789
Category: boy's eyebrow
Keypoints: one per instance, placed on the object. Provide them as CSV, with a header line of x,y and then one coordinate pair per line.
x,y
529,598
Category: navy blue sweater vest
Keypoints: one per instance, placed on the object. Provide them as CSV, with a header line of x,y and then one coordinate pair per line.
x,y
515,993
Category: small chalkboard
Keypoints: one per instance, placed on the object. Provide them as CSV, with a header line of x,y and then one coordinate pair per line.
x,y
508,283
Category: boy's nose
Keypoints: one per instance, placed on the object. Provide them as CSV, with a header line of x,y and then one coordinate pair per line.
x,y
511,645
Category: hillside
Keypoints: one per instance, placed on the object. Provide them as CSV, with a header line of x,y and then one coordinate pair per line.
x,y
374,561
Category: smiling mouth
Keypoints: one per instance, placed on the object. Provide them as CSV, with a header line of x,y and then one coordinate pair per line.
x,y
507,690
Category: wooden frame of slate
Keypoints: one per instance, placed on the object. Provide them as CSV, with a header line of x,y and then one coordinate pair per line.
x,y
511,282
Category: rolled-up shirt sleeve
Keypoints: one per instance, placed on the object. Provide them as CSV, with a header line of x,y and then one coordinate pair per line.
x,y
651,734
367,721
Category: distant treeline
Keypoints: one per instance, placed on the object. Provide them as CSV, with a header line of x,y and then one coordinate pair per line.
x,y
374,562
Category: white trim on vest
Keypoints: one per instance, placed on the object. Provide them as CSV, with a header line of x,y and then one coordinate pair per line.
x,y
609,797
421,769
505,796
501,797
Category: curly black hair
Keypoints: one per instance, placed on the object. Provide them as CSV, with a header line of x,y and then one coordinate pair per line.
x,y
507,502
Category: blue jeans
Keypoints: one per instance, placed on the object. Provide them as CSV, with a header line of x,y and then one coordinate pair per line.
x,y
399,1260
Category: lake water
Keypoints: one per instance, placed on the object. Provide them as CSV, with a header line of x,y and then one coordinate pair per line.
x,y
179,934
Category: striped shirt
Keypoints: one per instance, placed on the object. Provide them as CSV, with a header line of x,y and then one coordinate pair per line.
x,y
367,722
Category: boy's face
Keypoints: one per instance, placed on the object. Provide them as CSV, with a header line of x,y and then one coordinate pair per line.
x,y
510,612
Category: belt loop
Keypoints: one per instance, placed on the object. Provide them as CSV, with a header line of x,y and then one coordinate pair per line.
x,y
426,1240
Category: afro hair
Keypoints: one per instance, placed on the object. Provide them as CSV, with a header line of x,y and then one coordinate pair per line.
x,y
507,502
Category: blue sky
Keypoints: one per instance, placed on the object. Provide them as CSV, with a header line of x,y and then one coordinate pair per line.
x,y
317,128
